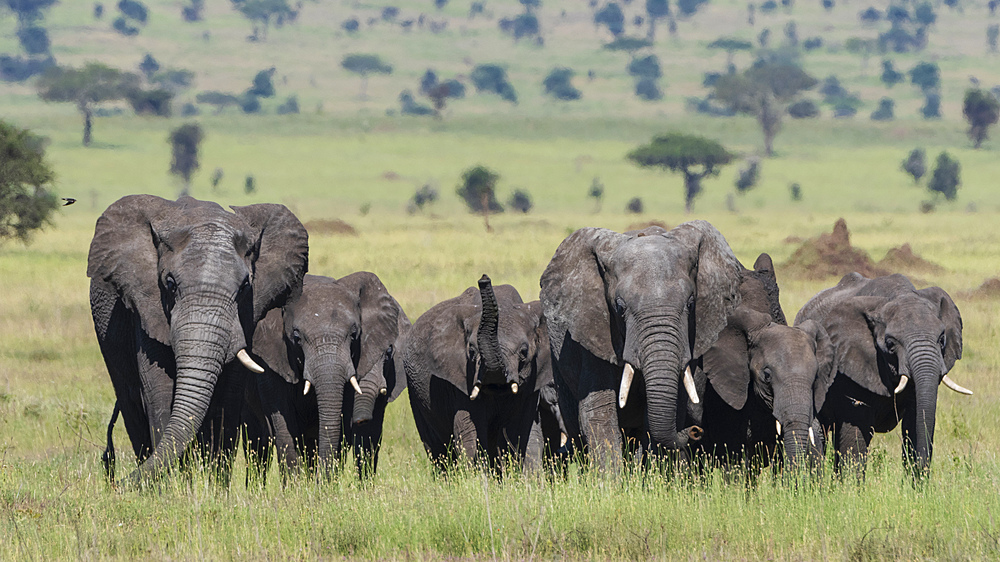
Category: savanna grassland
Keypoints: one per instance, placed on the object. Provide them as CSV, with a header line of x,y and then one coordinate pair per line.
x,y
345,158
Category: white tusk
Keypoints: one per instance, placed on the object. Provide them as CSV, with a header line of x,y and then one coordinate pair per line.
x,y
689,385
383,391
562,440
354,383
812,436
777,426
955,386
627,375
244,358
475,393
902,384
306,388
513,388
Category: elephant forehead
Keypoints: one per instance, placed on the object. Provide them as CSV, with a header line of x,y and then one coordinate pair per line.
x,y
910,312
324,303
783,345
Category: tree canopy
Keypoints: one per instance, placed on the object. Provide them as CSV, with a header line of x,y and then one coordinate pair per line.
x,y
94,83
365,64
946,177
478,190
25,203
262,13
981,110
184,143
693,156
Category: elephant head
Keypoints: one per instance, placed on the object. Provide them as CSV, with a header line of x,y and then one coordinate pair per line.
x,y
197,279
788,369
884,342
337,337
647,302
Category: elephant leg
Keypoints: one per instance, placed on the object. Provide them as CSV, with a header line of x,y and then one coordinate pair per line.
x,y
852,439
465,438
599,424
534,454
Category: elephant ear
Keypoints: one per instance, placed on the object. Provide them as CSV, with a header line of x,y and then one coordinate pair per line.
x,y
123,253
717,275
395,377
764,272
948,313
282,246
826,360
851,325
272,350
379,317
727,362
543,355
573,292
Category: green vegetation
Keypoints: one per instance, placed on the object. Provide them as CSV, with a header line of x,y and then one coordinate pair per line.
x,y
692,156
25,203
184,143
365,65
478,190
981,110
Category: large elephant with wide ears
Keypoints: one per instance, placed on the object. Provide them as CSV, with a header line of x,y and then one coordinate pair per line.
x,y
632,310
330,368
475,367
176,291
760,380
894,345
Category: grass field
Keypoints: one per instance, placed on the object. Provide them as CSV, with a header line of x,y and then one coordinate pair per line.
x,y
345,158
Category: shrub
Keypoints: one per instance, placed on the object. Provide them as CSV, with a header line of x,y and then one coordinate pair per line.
x,y
611,17
795,191
34,39
645,67
914,164
520,201
884,112
151,102
216,177
557,84
492,78
409,106
122,26
249,103
351,25
812,43
425,195
262,85
747,178
249,184
428,81
192,13
946,178
190,110
647,89
389,13
924,14
803,109
932,106
148,66
289,106
689,7
135,10
926,76
768,6
890,76
981,109
98,10
634,206
19,69
184,143
871,15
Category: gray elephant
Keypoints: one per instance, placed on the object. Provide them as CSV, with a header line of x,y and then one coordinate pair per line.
x,y
886,334
330,370
759,380
177,289
626,314
479,373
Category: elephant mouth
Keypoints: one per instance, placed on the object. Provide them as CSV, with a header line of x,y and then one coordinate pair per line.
x,y
494,389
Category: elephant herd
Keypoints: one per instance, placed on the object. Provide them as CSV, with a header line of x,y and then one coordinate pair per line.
x,y
644,345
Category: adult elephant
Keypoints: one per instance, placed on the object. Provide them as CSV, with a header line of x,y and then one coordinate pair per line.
x,y
177,288
476,366
886,334
633,307
338,337
762,375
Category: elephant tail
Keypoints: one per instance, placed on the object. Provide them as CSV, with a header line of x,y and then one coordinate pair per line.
x,y
108,458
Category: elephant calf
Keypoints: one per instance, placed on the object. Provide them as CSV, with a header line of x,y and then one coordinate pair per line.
x,y
329,371
480,377
886,334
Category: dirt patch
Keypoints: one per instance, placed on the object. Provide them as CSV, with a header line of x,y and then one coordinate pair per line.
x,y
327,226
793,240
990,289
391,176
903,260
646,224
830,255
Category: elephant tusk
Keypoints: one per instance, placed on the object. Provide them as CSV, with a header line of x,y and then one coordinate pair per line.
x,y
244,358
777,426
563,438
306,388
955,386
692,390
475,393
902,384
383,391
513,388
812,436
627,375
354,383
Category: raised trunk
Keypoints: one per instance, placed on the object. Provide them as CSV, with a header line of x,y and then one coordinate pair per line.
x,y
487,338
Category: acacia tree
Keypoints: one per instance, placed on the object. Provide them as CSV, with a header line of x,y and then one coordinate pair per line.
x,y
365,65
25,204
262,12
764,91
730,45
693,156
478,190
656,10
981,110
93,84
184,143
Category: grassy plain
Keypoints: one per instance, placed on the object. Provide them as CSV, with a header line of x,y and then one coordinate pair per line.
x,y
343,154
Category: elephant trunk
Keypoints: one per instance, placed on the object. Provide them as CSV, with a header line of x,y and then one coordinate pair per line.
x,y
663,358
798,444
364,403
330,379
486,337
926,368
201,340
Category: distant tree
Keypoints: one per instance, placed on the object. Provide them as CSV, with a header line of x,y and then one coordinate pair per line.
x,y
441,92
764,38
351,25
926,76
647,89
248,103
184,143
890,76
390,13
693,156
520,26
803,109
946,178
981,110
634,206
262,13
220,100
425,195
34,39
148,66
731,45
792,34
870,15
645,67
768,6
192,12
27,11
249,184
135,10
688,8
747,178
795,191
262,85
492,78
365,65
428,81
558,84
520,201
828,4
216,178
155,101
93,84
25,203
98,10
656,10
409,106
612,17
885,110
531,5
289,106
924,14
932,106
992,34
764,91
861,47
173,79
915,165
628,44
596,192
478,190
123,27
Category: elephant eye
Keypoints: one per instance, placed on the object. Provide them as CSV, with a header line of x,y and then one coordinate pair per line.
x,y
890,345
354,331
245,286
942,341
767,375
523,352
296,337
170,283
620,306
